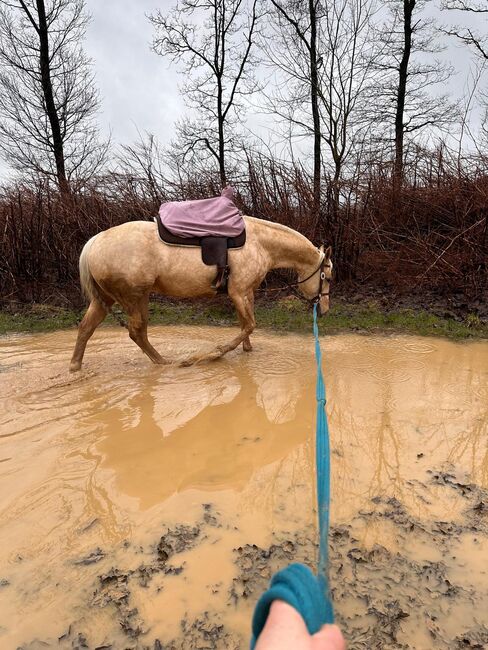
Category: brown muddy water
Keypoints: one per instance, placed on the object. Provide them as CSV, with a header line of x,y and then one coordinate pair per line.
x,y
147,507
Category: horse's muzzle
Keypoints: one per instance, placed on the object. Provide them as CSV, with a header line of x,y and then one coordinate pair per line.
x,y
323,306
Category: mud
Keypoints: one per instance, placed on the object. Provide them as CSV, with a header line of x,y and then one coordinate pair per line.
x,y
146,507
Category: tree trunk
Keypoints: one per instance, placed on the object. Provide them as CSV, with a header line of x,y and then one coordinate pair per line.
x,y
220,119
315,110
408,7
47,90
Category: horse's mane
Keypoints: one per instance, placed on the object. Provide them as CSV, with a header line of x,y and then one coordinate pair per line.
x,y
276,226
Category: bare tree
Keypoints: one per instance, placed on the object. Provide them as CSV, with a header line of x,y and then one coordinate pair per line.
x,y
347,71
47,93
478,42
408,29
325,54
213,42
407,97
301,20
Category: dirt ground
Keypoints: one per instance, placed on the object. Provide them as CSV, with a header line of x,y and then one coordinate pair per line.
x,y
148,508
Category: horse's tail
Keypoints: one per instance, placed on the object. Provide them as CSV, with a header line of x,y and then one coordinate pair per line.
x,y
88,285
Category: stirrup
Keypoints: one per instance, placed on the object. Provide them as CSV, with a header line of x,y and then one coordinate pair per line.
x,y
220,281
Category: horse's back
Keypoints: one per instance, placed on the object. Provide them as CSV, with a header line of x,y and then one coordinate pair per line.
x,y
125,252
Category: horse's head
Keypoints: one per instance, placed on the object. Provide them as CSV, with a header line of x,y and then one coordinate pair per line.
x,y
315,286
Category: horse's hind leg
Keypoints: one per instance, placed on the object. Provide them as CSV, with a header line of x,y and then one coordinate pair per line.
x,y
138,319
95,314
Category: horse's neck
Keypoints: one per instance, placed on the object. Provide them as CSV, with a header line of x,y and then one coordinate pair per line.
x,y
287,249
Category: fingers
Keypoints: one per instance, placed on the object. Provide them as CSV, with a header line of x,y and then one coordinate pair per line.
x,y
329,638
286,630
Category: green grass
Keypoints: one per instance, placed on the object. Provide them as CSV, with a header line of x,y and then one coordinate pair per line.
x,y
37,318
291,315
288,314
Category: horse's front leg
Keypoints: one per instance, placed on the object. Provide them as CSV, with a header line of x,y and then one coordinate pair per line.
x,y
245,310
246,344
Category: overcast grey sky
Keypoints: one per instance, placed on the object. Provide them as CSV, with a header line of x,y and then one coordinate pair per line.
x,y
140,89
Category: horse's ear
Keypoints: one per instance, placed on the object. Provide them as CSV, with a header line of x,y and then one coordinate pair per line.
x,y
328,252
321,249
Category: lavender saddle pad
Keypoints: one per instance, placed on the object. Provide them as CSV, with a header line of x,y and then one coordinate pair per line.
x,y
213,224
215,217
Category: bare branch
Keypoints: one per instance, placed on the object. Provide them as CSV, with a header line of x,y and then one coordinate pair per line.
x,y
29,15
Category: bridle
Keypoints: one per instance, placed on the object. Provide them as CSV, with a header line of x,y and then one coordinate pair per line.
x,y
292,285
320,293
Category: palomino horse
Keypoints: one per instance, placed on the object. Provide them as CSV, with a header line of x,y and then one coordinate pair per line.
x,y
126,263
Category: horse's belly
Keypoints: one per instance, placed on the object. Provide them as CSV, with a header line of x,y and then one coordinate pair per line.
x,y
182,288
185,276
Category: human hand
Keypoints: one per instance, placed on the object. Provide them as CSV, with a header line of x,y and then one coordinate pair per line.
x,y
285,629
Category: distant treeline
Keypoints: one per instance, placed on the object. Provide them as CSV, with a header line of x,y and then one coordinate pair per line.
x,y
430,233
363,144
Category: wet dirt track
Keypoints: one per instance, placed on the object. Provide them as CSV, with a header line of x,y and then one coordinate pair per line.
x,y
147,507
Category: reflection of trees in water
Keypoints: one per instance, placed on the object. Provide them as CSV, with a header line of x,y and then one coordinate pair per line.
x,y
70,498
472,444
459,408
386,445
99,506
369,443
381,420
284,489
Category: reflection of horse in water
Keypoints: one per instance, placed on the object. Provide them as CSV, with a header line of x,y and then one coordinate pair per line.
x,y
126,263
209,429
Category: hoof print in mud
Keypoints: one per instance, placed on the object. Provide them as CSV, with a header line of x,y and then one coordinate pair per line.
x,y
475,638
206,632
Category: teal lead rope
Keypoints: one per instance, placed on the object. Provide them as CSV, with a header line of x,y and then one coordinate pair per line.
x,y
297,585
322,461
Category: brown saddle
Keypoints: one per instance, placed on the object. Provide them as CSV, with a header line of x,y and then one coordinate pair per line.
x,y
214,251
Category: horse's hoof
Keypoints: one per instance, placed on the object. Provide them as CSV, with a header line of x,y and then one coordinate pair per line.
x,y
247,347
74,366
186,363
214,356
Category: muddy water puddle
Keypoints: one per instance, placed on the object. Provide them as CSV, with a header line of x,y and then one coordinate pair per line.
x,y
147,507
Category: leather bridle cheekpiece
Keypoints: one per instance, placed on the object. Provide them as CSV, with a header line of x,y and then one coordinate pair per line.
x,y
320,293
